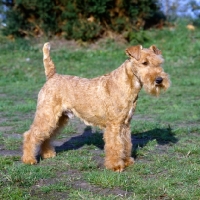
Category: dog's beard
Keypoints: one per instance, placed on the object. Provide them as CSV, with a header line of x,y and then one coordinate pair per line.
x,y
155,89
150,84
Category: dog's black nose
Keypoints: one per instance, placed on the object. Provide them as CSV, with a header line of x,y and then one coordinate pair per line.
x,y
159,80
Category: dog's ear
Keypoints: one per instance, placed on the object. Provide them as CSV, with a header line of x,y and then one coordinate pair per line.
x,y
155,50
134,51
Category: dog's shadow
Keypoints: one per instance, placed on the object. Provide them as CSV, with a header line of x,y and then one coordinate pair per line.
x,y
139,140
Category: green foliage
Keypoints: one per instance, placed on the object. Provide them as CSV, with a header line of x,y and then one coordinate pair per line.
x,y
27,17
81,29
77,19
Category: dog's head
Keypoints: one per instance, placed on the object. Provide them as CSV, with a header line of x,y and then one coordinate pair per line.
x,y
146,66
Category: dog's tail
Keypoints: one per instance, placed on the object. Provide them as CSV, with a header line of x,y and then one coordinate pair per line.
x,y
48,63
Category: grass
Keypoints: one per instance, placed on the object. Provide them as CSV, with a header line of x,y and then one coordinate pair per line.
x,y
165,130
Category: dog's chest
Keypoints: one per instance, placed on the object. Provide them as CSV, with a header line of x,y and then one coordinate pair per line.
x,y
131,111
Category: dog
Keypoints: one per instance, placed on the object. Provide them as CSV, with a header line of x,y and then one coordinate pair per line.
x,y
107,101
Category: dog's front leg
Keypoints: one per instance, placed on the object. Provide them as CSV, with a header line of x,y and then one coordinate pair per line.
x,y
114,148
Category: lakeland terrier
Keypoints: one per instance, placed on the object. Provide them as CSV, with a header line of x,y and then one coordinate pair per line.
x,y
107,101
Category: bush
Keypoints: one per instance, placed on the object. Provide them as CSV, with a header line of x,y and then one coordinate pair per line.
x,y
76,19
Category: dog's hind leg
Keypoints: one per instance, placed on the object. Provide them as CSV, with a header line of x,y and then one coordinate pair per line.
x,y
29,148
47,150
42,129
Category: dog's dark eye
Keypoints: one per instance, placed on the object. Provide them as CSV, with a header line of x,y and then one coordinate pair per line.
x,y
145,63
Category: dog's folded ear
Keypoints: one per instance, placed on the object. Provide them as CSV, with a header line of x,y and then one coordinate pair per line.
x,y
134,51
155,50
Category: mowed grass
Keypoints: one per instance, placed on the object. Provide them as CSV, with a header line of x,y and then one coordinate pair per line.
x,y
165,130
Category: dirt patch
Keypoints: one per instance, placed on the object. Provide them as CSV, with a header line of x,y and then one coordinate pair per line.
x,y
73,179
59,43
142,117
100,191
2,119
2,95
5,152
5,129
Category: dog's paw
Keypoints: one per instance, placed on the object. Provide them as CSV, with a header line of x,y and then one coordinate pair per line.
x,y
48,154
29,160
128,161
117,166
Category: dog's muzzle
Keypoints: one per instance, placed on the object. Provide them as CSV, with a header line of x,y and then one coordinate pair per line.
x,y
159,80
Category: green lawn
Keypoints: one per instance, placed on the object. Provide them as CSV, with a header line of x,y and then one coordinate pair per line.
x,y
165,130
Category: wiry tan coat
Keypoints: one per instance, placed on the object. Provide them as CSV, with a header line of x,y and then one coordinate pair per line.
x,y
107,101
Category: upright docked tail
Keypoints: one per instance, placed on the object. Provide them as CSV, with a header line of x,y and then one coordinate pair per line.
x,y
48,63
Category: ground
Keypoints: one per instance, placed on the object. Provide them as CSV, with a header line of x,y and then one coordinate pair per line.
x,y
83,136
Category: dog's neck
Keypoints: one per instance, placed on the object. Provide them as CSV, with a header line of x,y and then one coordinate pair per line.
x,y
130,65
138,79
126,79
